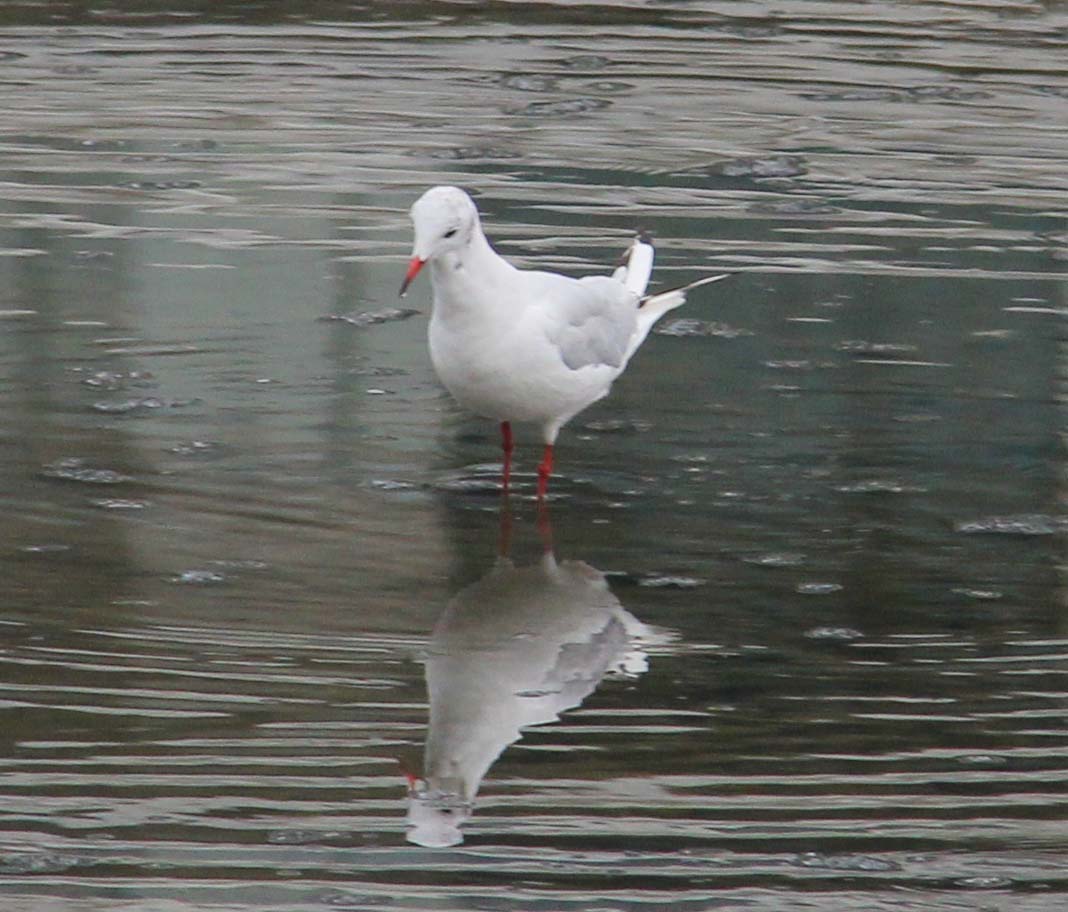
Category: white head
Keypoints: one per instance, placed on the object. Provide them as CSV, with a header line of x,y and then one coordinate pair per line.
x,y
445,220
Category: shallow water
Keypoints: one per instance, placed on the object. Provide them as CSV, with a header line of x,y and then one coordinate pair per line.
x,y
804,644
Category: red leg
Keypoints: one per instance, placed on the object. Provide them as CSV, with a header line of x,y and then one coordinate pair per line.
x,y
507,447
545,469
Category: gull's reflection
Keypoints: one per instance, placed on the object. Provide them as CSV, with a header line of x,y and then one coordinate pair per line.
x,y
515,649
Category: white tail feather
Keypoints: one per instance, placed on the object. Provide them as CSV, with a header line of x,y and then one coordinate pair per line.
x,y
638,267
653,307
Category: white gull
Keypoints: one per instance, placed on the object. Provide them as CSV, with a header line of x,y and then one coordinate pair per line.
x,y
526,345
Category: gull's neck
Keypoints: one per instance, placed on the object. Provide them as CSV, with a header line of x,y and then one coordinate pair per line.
x,y
473,278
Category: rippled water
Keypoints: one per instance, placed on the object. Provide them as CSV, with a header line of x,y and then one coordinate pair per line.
x,y
801,642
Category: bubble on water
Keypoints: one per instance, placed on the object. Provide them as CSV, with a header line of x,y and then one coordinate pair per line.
x,y
38,863
982,595
849,862
796,364
1029,524
917,418
796,208
45,549
194,448
125,406
75,469
301,837
982,760
834,634
586,62
161,185
473,153
145,349
467,485
198,577
530,82
864,347
879,486
241,563
983,883
114,380
372,318
564,108
391,484
670,582
618,426
609,87
818,588
687,326
780,559
762,167
116,503
341,899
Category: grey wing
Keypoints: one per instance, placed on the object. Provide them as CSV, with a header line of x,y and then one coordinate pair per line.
x,y
594,323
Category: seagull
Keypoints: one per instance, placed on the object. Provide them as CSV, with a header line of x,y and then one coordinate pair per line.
x,y
527,346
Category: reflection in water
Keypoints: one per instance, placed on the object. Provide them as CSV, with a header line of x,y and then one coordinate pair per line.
x,y
512,650
204,670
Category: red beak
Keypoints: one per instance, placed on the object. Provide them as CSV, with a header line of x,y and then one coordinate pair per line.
x,y
413,270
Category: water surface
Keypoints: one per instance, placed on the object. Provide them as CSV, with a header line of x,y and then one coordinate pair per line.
x,y
801,640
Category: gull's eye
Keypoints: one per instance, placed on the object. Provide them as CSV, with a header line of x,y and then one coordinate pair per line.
x,y
450,233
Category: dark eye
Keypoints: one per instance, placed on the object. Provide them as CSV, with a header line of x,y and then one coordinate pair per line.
x,y
450,233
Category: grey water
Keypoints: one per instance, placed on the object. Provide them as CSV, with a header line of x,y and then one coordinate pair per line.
x,y
800,639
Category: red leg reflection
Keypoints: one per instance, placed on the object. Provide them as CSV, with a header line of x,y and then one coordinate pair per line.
x,y
545,469
506,447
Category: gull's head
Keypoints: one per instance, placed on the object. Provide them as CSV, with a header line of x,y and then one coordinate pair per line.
x,y
445,219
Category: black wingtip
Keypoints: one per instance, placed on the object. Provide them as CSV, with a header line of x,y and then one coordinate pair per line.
x,y
645,237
